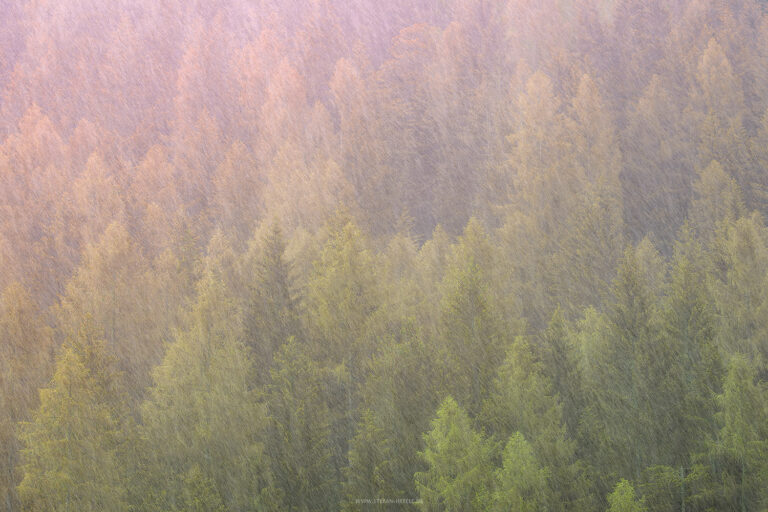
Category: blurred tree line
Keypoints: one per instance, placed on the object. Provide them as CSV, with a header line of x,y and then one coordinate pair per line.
x,y
295,255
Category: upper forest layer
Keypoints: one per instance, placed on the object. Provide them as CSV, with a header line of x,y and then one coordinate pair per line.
x,y
219,114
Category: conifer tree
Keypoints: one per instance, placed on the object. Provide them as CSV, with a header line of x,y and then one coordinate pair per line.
x,y
369,472
305,460
26,357
743,439
688,327
740,274
472,330
342,299
383,455
521,482
624,375
460,473
585,262
74,445
473,342
559,359
623,499
720,126
659,159
522,400
342,295
717,202
203,427
431,266
113,285
271,314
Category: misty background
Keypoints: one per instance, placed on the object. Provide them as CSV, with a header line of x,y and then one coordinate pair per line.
x,y
362,255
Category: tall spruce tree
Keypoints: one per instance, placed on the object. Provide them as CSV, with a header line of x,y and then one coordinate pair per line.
x,y
472,332
742,444
521,482
522,400
26,357
306,461
272,307
688,327
203,427
383,456
460,473
75,444
623,499
624,370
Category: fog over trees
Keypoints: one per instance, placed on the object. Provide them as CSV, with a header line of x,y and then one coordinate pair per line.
x,y
342,255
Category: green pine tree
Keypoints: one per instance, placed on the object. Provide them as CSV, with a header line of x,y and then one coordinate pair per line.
x,y
203,426
383,456
739,281
73,447
623,499
625,364
305,459
26,357
560,363
473,330
521,482
523,400
688,327
460,473
742,444
271,314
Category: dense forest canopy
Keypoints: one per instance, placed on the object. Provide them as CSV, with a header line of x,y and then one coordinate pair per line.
x,y
446,255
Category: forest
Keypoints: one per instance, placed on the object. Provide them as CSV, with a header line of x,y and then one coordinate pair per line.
x,y
352,255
